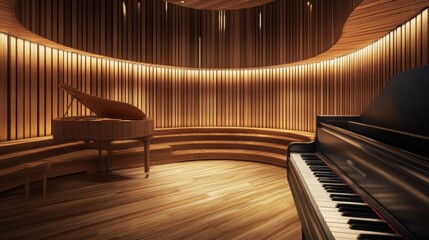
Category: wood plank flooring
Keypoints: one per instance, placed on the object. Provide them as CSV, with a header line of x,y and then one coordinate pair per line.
x,y
194,200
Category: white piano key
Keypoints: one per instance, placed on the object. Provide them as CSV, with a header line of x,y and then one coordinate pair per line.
x,y
335,225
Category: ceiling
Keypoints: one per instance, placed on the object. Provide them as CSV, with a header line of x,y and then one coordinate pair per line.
x,y
219,4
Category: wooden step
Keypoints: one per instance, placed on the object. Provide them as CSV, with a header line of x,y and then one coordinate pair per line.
x,y
305,136
224,136
230,154
62,164
168,145
74,162
229,144
28,144
14,158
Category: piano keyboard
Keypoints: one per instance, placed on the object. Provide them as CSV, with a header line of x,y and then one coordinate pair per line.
x,y
343,214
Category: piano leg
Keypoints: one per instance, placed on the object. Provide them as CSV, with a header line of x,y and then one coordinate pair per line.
x,y
99,156
146,156
109,156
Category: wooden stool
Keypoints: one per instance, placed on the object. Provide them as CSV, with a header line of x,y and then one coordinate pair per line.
x,y
38,167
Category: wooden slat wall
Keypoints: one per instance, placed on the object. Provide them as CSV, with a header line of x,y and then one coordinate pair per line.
x,y
4,95
150,32
284,98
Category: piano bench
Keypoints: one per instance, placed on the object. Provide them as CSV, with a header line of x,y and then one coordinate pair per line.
x,y
32,168
24,171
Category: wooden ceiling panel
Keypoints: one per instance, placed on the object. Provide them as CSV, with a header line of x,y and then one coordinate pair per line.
x,y
368,22
219,4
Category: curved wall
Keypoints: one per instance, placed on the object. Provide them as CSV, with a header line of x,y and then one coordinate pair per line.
x,y
152,32
284,98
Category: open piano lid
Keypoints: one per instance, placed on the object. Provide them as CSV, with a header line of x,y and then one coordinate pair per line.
x,y
105,108
403,104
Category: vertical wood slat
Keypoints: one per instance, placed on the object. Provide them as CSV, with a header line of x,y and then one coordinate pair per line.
x,y
27,90
147,32
20,89
4,91
12,89
287,97
41,104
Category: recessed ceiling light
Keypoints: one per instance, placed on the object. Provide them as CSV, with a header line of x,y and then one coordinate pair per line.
x,y
183,2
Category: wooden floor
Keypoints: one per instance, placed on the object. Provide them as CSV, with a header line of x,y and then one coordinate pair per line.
x,y
194,200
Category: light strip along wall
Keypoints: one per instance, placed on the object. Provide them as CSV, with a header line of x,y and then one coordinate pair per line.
x,y
284,98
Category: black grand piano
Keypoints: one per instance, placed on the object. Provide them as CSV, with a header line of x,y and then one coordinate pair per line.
x,y
367,177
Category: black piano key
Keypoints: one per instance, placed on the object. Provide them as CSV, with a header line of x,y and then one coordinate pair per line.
x,y
344,195
353,207
377,237
360,214
314,163
369,226
329,175
338,188
355,210
322,171
339,191
308,155
339,205
320,168
311,158
314,160
345,199
329,181
337,185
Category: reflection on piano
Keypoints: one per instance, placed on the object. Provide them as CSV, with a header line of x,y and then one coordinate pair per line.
x,y
367,177
114,121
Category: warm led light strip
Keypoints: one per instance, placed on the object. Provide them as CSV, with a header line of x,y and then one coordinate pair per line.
x,y
281,97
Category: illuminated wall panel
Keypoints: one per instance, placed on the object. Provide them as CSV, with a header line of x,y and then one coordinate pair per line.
x,y
284,98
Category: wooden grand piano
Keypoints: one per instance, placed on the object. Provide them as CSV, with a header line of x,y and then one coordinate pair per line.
x,y
367,177
113,121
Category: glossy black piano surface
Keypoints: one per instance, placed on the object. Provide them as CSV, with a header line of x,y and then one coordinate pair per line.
x,y
380,158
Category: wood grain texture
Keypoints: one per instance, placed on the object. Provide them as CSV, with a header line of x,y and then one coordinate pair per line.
x,y
103,107
170,145
215,199
370,21
170,34
4,87
219,4
103,129
286,97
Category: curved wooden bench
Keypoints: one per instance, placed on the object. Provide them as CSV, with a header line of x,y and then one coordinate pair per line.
x,y
24,171
24,161
248,144
34,157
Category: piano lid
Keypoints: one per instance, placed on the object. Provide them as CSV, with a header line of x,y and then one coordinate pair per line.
x,y
403,103
105,108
